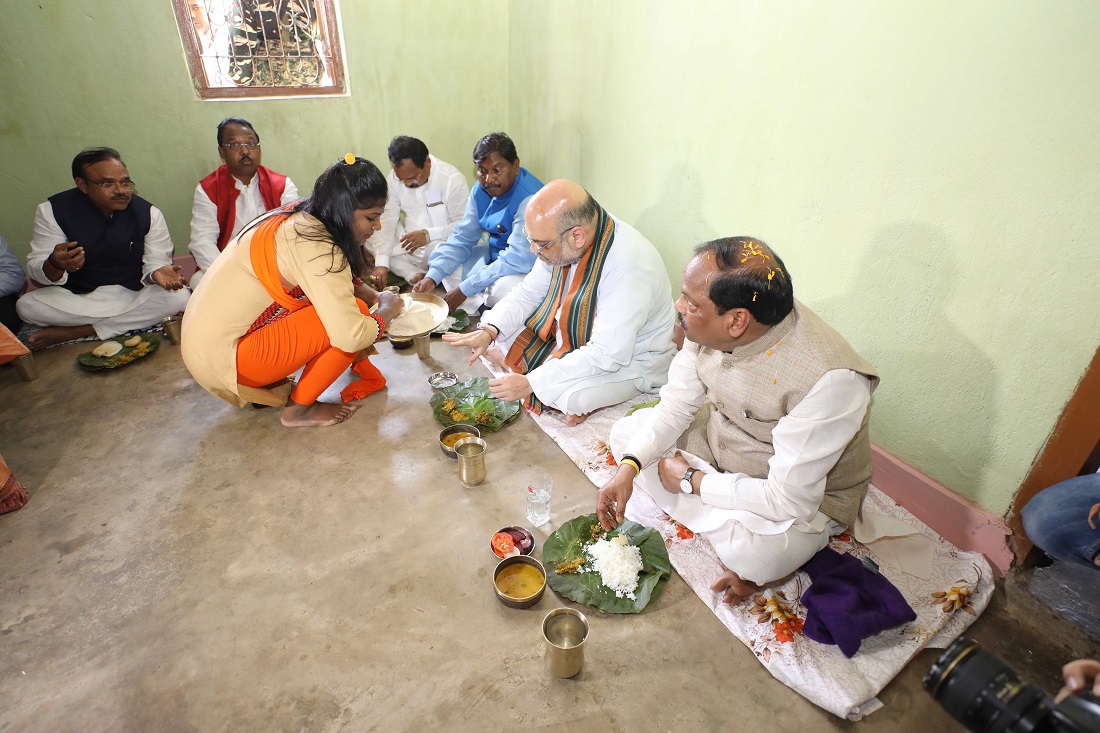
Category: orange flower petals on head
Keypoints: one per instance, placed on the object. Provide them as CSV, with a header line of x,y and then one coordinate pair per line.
x,y
349,159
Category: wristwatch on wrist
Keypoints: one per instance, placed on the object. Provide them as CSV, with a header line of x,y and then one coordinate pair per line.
x,y
685,482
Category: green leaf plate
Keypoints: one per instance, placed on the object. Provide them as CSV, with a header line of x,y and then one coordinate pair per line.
x,y
644,406
122,358
568,542
471,398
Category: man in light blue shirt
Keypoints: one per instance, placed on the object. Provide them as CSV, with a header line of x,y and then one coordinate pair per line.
x,y
479,273
12,281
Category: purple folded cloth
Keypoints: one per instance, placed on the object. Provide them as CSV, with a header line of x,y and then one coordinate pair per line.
x,y
846,602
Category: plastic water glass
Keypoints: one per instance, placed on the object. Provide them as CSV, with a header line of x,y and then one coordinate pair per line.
x,y
538,487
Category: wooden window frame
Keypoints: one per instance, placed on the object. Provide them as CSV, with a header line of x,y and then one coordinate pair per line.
x,y
329,27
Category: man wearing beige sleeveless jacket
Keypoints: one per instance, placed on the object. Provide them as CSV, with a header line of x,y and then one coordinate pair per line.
x,y
768,408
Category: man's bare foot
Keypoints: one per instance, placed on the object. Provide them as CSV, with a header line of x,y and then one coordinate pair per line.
x,y
575,420
317,415
733,588
51,335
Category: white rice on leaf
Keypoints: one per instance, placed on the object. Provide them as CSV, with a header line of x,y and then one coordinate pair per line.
x,y
618,566
444,327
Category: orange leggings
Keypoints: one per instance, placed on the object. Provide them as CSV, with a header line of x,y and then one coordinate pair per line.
x,y
281,348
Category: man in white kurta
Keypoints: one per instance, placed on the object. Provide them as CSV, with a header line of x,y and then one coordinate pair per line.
x,y
245,189
770,407
426,198
101,256
629,345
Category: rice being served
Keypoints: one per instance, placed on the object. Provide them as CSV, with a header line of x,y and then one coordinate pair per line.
x,y
618,564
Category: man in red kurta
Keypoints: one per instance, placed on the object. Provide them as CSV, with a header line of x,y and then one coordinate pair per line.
x,y
237,192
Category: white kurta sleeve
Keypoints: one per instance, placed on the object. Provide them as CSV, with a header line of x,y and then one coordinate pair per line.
x,y
808,442
158,246
681,398
290,193
509,315
204,230
454,200
47,235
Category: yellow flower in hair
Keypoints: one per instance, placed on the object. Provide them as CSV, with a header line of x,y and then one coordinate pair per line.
x,y
349,159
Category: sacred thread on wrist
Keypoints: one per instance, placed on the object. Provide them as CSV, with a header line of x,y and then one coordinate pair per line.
x,y
494,333
630,460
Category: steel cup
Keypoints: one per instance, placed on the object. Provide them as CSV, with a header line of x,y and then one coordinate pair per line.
x,y
26,368
564,630
171,326
471,461
423,346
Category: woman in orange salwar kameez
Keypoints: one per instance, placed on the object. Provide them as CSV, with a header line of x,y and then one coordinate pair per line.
x,y
287,293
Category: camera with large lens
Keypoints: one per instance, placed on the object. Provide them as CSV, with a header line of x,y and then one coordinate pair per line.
x,y
984,694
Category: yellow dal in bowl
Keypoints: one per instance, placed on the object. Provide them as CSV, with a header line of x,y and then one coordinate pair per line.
x,y
520,580
450,440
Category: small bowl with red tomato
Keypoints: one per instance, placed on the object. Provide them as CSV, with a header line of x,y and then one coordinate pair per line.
x,y
512,541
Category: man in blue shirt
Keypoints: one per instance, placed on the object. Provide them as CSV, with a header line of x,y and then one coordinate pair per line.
x,y
12,281
477,273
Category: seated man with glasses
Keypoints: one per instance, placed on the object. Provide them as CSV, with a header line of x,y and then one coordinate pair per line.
x,y
477,273
427,197
104,255
238,191
591,325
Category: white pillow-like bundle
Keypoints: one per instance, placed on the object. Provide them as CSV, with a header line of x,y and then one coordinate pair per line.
x,y
107,349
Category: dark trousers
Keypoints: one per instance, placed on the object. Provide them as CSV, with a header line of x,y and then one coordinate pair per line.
x,y
8,316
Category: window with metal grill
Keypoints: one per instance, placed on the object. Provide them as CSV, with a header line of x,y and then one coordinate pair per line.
x,y
261,48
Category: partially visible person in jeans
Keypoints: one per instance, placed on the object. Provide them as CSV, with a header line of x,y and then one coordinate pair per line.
x,y
12,280
1064,520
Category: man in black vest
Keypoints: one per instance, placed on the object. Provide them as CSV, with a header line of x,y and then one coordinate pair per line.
x,y
103,255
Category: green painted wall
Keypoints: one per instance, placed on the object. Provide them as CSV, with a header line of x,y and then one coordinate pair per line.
x,y
85,72
928,171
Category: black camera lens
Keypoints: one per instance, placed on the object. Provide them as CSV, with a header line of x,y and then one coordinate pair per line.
x,y
984,694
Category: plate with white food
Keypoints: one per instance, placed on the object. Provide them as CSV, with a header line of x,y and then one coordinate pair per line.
x,y
117,352
421,313
618,571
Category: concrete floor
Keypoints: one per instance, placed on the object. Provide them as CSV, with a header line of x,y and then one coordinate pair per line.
x,y
186,566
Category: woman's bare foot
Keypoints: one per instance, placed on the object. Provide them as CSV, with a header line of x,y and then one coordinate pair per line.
x,y
733,587
575,420
317,415
51,335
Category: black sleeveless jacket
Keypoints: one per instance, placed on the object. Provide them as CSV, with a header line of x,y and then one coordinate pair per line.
x,y
113,246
